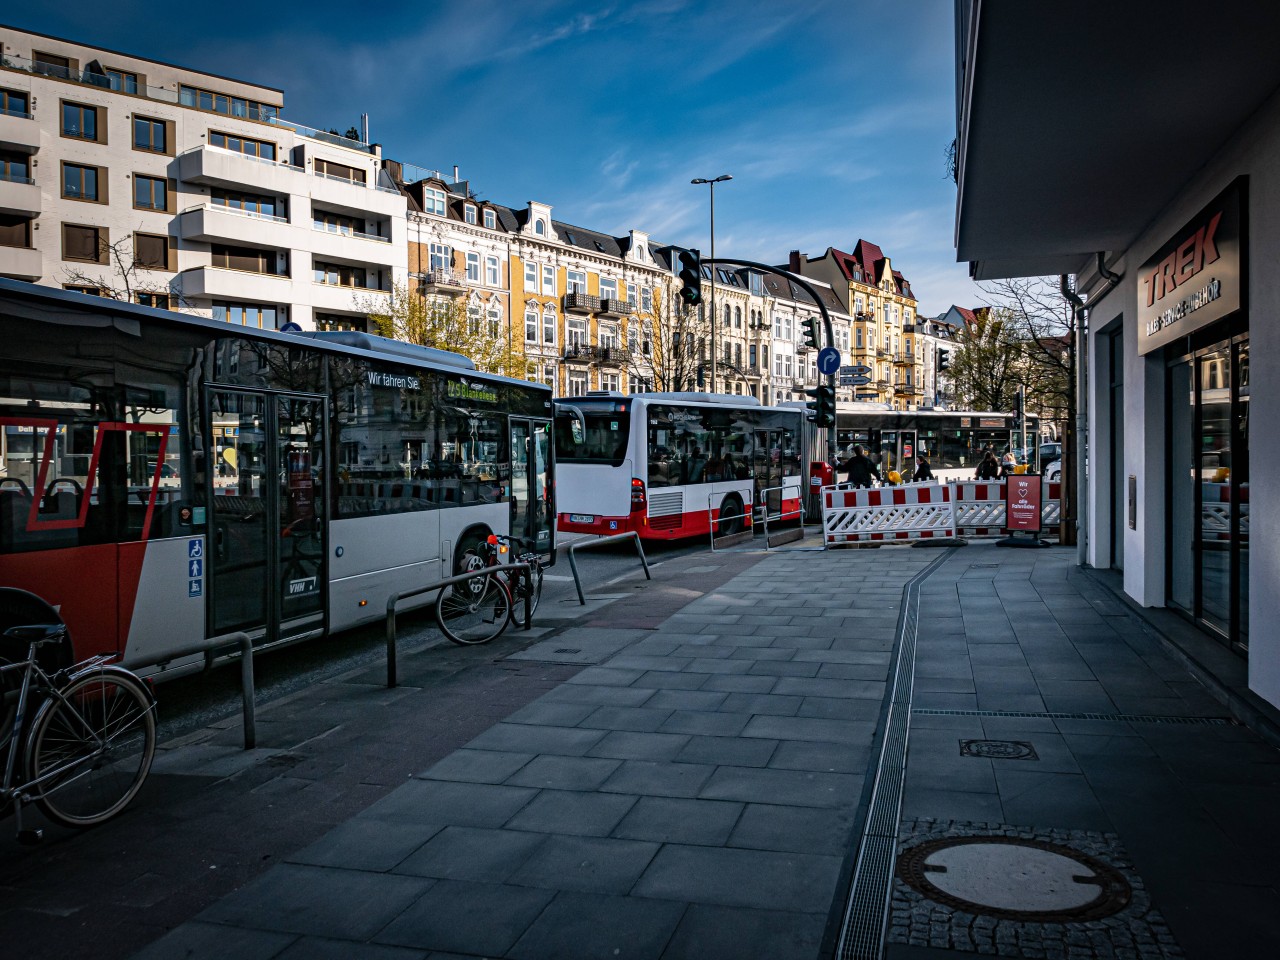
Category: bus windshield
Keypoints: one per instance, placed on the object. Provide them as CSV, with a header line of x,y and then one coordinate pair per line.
x,y
603,441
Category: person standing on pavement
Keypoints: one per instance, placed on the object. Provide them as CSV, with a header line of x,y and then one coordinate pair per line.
x,y
989,468
923,470
1008,465
861,470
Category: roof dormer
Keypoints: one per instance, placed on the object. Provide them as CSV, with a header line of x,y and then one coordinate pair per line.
x,y
638,247
538,223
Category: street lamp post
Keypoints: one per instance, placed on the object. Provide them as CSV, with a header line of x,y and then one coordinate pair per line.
x,y
712,184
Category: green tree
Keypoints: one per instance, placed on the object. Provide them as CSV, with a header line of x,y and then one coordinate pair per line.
x,y
1043,323
988,366
445,323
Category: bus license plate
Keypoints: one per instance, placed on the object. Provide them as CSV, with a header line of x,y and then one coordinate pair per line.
x,y
581,518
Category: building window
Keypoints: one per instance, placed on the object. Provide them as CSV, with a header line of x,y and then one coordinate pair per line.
x,y
646,299
492,275
608,336
531,323
15,230
540,228
469,214
221,103
160,301
84,243
150,135
150,193
246,145
80,182
15,103
633,301
433,201
548,279
577,384
530,277
737,318
340,275
548,324
575,281
490,220
248,259
339,171
473,268
473,316
245,314
608,288
609,381
493,312
122,81
576,332
751,355
151,251
320,219
80,121
441,257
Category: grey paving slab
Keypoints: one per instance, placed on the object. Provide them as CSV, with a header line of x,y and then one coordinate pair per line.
x,y
564,773
326,902
551,713
366,845
637,719
627,745
483,919
794,829
215,941
820,757
596,925
656,680
831,708
524,738
477,766
743,934
586,864
569,812
657,778
709,724
801,883
680,820
450,803
471,853
939,803
734,751
687,700
809,728
783,706
601,696
1034,799
802,788
318,948
783,668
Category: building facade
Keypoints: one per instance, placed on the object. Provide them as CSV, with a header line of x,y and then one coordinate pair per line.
x,y
180,188
1168,252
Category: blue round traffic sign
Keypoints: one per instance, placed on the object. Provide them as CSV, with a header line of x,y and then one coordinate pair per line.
x,y
828,361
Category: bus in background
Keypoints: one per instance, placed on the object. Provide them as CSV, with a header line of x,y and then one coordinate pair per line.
x,y
953,440
168,478
664,464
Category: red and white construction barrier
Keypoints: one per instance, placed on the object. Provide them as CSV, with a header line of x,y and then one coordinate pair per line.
x,y
886,514
980,507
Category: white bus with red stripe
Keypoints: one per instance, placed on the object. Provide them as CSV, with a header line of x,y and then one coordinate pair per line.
x,y
168,479
669,465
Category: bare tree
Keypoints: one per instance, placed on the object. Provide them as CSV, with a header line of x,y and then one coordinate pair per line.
x,y
126,280
1044,323
669,348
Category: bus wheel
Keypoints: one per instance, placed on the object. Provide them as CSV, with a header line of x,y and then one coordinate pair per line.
x,y
466,556
730,516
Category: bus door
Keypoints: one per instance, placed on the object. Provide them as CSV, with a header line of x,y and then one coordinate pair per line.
x,y
267,525
767,469
906,453
532,509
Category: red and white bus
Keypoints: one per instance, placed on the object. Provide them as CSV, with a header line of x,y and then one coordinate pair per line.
x,y
665,464
167,479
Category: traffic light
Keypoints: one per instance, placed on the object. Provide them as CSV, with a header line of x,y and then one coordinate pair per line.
x,y
944,359
691,277
702,376
811,332
822,408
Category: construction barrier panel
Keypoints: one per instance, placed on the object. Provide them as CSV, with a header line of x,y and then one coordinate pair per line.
x,y
979,507
916,511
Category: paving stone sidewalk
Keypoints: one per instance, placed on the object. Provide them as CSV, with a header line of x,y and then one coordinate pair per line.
x,y
691,795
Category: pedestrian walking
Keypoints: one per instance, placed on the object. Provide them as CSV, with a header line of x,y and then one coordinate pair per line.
x,y
923,470
861,470
989,468
1008,465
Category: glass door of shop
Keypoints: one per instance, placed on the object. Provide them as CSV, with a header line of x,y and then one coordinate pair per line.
x,y
1209,489
267,530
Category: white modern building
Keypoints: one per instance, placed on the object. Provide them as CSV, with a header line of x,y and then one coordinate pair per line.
x,y
182,188
1138,154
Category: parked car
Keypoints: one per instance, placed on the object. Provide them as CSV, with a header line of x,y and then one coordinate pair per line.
x,y
1053,471
1050,451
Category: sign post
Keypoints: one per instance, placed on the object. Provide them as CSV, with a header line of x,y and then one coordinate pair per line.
x,y
1022,510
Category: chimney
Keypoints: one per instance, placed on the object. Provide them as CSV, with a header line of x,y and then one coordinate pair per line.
x,y
364,128
796,261
455,173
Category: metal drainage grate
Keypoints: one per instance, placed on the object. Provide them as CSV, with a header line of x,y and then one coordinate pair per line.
x,y
568,650
998,749
1114,717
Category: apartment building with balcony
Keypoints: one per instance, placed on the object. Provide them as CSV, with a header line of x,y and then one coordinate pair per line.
x,y
879,300
185,189
938,338
794,365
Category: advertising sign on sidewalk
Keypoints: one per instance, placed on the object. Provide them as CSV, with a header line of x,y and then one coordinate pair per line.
x,y
1022,503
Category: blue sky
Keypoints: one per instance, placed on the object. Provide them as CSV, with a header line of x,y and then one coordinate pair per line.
x,y
832,117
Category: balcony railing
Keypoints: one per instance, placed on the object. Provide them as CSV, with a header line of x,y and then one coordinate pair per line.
x,y
909,328
15,112
613,307
581,303
14,178
444,281
248,156
354,288
341,232
237,212
904,358
311,133
585,353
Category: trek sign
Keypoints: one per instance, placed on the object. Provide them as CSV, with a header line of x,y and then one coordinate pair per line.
x,y
1196,277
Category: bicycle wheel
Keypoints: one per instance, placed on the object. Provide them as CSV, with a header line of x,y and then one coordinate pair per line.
x,y
95,746
474,611
519,586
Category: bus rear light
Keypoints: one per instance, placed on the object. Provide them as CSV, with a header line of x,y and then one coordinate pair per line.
x,y
638,499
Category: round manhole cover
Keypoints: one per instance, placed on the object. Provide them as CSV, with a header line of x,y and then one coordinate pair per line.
x,y
1014,879
998,749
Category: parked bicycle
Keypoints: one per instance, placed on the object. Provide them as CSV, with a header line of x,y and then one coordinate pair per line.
x,y
478,610
88,747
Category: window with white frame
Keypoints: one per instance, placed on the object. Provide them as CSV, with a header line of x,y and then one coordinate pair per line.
x,y
608,336
777,365
493,313
530,277
857,305
575,281
576,332
441,257
646,338
433,201
474,313
737,318
548,280
632,300
549,375
490,220
577,384
609,381
608,288
540,228
492,275
473,268
469,214
531,323
549,324
646,299
633,335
